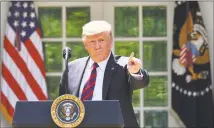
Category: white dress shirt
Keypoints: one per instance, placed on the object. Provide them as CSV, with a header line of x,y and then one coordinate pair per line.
x,y
98,89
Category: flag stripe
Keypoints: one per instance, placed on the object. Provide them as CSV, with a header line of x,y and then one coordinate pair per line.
x,y
7,105
182,58
23,67
38,32
17,74
183,51
35,39
35,56
5,113
9,94
13,83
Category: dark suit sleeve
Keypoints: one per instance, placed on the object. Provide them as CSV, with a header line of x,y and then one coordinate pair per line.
x,y
139,80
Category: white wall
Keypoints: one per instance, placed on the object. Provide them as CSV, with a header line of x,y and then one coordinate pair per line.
x,y
4,10
207,12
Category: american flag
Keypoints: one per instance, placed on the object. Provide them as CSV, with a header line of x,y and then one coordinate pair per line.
x,y
23,71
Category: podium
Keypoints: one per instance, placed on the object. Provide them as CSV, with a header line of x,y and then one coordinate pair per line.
x,y
37,114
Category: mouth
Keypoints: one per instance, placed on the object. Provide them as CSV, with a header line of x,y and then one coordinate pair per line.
x,y
98,52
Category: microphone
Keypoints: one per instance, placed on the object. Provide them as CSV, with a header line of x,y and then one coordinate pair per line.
x,y
64,80
67,53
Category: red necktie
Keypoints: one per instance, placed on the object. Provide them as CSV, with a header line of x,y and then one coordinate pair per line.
x,y
88,89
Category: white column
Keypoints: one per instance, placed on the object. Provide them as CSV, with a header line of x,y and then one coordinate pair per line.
x,y
207,14
4,12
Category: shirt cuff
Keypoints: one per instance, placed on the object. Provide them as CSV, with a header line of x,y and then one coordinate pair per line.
x,y
139,74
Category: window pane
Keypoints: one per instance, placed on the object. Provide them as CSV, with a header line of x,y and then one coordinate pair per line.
x,y
124,48
53,86
157,92
53,56
136,98
156,119
155,55
76,18
154,21
126,21
137,114
77,50
51,21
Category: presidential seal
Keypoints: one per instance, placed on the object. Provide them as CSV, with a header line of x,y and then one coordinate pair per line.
x,y
67,111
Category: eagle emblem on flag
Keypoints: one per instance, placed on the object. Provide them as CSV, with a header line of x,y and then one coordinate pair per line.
x,y
193,43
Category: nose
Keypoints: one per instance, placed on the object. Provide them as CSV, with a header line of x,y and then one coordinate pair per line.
x,y
97,45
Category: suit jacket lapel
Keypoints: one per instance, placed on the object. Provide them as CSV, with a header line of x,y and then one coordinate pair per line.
x,y
79,75
108,75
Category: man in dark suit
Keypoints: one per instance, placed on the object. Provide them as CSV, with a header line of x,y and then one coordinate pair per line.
x,y
104,76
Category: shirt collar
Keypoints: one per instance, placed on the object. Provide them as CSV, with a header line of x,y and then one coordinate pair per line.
x,y
102,64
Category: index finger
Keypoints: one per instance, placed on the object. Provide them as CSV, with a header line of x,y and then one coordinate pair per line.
x,y
131,56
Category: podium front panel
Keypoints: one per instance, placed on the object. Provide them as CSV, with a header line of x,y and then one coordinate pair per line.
x,y
97,114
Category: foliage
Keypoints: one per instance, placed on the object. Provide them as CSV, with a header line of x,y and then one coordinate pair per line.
x,y
51,21
76,18
124,48
156,118
155,55
126,25
53,59
154,21
53,86
156,93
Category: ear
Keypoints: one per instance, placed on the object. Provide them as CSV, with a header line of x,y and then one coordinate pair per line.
x,y
111,39
84,43
111,43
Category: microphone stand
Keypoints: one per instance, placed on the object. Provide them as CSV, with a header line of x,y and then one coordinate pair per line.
x,y
66,76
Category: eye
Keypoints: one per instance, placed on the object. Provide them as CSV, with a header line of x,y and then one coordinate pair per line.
x,y
101,40
193,35
92,42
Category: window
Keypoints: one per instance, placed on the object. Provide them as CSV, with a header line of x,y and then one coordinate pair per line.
x,y
144,28
140,27
61,25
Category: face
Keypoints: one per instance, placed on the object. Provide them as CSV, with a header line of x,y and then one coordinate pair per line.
x,y
197,40
98,46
